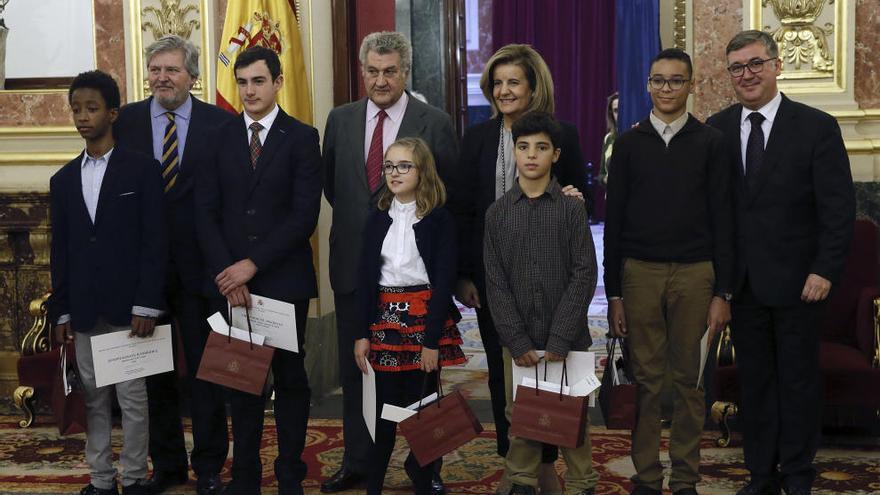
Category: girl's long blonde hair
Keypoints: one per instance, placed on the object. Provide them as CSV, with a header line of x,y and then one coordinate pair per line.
x,y
430,192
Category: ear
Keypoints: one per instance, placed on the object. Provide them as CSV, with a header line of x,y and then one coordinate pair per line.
x,y
556,153
114,113
279,81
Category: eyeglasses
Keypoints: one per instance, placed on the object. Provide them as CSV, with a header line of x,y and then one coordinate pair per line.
x,y
401,167
674,84
389,73
755,66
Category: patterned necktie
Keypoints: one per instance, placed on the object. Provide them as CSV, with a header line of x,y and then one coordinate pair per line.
x,y
256,145
754,148
170,159
374,159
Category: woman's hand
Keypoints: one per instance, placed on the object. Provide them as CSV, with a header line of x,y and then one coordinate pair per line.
x,y
573,192
361,352
429,359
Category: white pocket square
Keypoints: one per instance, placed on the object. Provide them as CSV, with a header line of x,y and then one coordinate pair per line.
x,y
129,193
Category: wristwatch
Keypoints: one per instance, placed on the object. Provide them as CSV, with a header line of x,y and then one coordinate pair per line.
x,y
727,296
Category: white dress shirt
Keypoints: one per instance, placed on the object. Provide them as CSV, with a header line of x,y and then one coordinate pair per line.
x,y
668,131
389,128
266,122
745,127
402,266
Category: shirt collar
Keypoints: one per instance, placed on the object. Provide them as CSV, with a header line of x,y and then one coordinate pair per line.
x,y
184,111
397,206
676,125
553,190
87,159
768,111
394,112
266,121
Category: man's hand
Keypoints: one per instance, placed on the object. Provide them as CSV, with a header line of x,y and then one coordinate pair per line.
x,y
616,318
235,275
429,359
551,357
718,318
573,192
467,294
240,296
142,326
63,333
528,359
361,351
815,289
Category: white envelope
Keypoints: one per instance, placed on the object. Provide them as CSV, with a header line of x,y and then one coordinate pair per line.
x,y
398,414
369,400
274,319
219,325
579,366
118,357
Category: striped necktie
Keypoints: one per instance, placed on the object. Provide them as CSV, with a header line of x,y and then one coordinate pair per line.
x,y
170,159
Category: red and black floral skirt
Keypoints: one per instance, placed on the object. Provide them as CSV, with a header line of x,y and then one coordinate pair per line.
x,y
398,331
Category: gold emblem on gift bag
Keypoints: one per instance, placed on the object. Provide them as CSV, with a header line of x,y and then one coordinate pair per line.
x,y
544,420
233,366
439,433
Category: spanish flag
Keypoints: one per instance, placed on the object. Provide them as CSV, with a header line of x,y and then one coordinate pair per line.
x,y
272,24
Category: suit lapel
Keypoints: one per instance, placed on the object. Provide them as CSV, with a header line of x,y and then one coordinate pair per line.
x,y
110,177
277,134
185,172
357,128
774,150
77,192
734,126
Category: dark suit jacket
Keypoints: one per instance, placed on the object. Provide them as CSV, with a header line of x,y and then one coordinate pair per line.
x,y
435,240
479,154
133,129
105,268
266,214
799,218
345,176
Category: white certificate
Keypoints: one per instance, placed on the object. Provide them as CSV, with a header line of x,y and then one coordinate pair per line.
x,y
118,357
368,396
273,319
580,368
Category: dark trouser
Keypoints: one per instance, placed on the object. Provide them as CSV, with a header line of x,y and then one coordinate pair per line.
x,y
777,350
167,448
292,395
354,431
400,388
495,361
207,407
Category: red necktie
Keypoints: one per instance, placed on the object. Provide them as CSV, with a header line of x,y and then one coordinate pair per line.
x,y
374,158
256,146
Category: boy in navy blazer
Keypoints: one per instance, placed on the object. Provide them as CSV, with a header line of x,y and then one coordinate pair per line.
x,y
109,251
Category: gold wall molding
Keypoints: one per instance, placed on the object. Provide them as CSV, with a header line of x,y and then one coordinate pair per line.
x,y
149,20
679,24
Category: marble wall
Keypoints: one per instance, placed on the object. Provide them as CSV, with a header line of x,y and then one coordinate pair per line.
x,y
867,61
715,23
50,108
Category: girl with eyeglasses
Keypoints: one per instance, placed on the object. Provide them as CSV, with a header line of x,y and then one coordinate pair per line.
x,y
408,271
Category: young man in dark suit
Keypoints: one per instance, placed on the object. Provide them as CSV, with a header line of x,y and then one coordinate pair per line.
x,y
257,205
795,210
108,258
355,139
179,131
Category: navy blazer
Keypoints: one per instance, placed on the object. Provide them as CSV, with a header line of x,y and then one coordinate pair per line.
x,y
133,129
799,219
436,242
267,213
479,154
101,270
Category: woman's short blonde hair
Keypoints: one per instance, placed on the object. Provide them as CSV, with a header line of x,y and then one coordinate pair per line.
x,y
430,192
537,74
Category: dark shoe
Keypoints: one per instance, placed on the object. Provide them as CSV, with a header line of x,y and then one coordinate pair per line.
x,y
93,490
645,490
685,491
755,488
342,480
588,491
522,490
163,480
797,490
209,485
137,488
437,487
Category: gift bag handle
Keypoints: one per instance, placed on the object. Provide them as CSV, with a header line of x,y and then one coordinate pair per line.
x,y
425,390
247,313
613,344
562,382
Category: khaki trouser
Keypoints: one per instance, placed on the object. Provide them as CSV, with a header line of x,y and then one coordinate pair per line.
x,y
666,306
524,456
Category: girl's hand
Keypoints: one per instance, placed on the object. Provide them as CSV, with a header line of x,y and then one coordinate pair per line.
x,y
361,351
429,359
572,191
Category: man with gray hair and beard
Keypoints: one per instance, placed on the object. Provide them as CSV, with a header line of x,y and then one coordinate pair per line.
x,y
177,129
355,139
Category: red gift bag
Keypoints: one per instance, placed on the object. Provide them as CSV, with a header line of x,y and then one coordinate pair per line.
x,y
68,398
441,427
235,363
617,398
549,417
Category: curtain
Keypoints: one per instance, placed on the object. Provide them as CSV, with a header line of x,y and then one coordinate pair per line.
x,y
638,41
576,39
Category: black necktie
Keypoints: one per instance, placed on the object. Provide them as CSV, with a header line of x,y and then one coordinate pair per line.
x,y
754,147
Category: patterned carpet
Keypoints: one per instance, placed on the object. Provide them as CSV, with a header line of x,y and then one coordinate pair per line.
x,y
37,461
